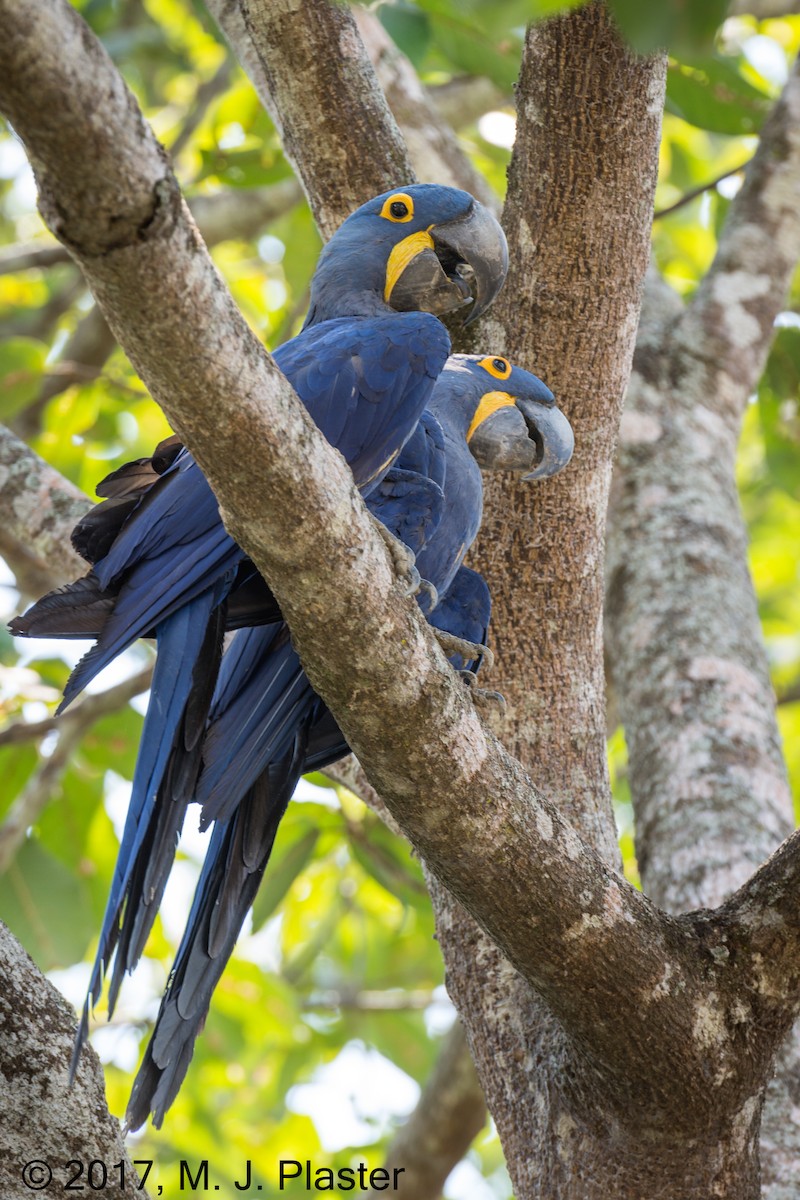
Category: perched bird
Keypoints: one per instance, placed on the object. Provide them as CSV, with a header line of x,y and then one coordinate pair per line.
x,y
267,726
364,365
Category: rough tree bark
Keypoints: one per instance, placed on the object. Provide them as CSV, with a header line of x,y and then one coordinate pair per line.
x,y
662,1029
707,776
44,1122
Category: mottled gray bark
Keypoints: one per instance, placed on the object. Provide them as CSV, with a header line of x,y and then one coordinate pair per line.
x,y
689,668
43,1122
38,506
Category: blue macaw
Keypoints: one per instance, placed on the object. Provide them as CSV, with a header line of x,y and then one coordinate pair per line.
x,y
364,365
267,726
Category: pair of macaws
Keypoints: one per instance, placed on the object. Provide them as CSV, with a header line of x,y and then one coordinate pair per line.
x,y
234,730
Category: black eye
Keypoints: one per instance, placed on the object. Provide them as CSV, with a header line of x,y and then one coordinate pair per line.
x,y
399,209
500,364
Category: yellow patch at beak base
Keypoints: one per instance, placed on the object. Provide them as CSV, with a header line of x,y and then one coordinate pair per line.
x,y
489,404
402,254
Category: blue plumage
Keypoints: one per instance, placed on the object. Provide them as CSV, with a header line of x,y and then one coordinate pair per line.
x,y
267,726
365,366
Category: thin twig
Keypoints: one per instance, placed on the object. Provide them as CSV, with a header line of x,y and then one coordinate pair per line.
x,y
37,793
205,95
371,1000
698,191
90,709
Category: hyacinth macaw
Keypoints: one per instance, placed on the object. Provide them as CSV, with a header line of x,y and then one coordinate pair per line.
x,y
364,365
267,726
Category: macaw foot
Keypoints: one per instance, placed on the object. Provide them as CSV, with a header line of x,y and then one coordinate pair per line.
x,y
482,697
468,650
403,562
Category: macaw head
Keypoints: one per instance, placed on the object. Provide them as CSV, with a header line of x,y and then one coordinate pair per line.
x,y
511,421
421,248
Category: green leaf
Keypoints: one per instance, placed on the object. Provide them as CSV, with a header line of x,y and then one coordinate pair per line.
x,y
474,56
63,827
670,24
408,27
388,860
46,907
779,411
21,367
284,868
711,94
17,764
113,742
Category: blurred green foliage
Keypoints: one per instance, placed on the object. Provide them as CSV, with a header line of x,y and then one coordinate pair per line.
x,y
341,954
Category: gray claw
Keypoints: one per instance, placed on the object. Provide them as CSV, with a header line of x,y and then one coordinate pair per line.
x,y
481,696
410,580
427,586
402,560
468,650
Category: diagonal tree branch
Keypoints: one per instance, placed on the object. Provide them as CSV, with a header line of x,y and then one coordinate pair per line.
x,y
39,507
451,1112
221,216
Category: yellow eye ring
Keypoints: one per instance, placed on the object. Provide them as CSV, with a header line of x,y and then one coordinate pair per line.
x,y
499,367
398,208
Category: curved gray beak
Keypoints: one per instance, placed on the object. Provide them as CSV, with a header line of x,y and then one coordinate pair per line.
x,y
466,266
502,442
475,250
552,436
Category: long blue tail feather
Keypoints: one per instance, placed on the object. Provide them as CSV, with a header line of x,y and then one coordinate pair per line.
x,y
181,638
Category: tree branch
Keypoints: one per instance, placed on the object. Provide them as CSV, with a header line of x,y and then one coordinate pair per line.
x,y
71,728
451,1112
693,193
222,216
38,505
727,328
461,100
42,1118
204,97
689,668
452,1109
432,144
84,713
